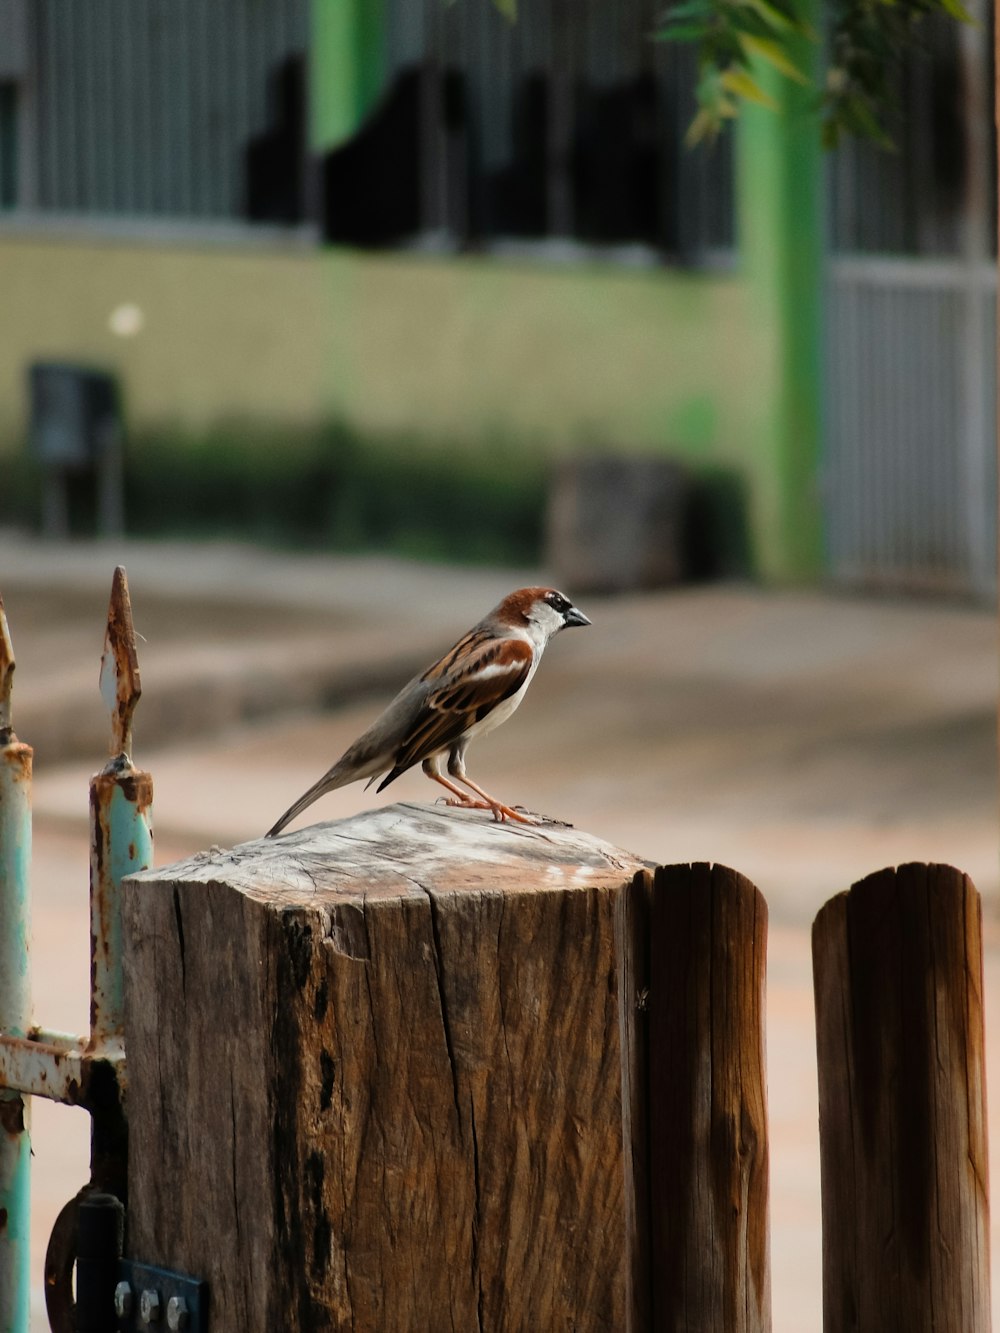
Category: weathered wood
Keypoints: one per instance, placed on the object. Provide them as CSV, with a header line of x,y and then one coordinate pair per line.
x,y
899,1011
707,1112
375,1077
632,931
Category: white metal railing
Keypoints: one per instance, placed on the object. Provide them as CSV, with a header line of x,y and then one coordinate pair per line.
x,y
910,477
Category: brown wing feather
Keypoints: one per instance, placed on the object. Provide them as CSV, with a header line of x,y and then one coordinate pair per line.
x,y
481,677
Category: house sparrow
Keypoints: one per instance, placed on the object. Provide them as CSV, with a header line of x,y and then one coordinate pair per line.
x,y
471,690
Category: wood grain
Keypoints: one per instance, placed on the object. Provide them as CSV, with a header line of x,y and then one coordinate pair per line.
x,y
899,1010
707,1111
375,1077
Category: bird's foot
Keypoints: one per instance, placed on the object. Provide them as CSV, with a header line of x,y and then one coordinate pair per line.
x,y
502,813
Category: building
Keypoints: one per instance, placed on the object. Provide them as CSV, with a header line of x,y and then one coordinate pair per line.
x,y
392,212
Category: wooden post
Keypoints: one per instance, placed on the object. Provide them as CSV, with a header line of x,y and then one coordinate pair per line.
x,y
375,1076
707,1102
899,1015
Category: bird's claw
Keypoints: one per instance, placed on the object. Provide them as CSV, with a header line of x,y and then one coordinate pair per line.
x,y
501,813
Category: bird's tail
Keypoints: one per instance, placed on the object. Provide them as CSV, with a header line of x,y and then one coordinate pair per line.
x,y
330,780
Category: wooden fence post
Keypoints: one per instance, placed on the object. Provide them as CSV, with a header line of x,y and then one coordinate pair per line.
x,y
899,1015
375,1076
414,1070
707,1107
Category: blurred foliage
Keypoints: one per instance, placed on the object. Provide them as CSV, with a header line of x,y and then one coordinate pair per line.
x,y
730,36
866,42
335,489
331,488
328,488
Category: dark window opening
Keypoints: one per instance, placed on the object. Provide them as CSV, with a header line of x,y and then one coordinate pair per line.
x,y
8,145
276,159
565,127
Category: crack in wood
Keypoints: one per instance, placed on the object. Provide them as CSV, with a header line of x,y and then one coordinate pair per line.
x,y
477,1272
180,937
443,1001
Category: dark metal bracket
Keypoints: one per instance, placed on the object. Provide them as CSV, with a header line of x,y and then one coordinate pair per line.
x,y
148,1298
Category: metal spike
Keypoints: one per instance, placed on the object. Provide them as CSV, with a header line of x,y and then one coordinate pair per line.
x,y
120,684
7,665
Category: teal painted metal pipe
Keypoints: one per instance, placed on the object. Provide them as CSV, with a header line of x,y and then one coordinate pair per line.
x,y
15,1001
121,842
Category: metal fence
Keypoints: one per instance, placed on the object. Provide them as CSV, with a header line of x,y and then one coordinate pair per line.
x,y
910,477
77,1070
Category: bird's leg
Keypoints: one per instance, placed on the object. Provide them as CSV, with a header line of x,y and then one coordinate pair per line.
x,y
501,812
459,797
456,770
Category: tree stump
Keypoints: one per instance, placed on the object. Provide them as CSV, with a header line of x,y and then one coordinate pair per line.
x,y
374,1076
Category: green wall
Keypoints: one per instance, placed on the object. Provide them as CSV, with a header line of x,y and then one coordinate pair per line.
x,y
654,360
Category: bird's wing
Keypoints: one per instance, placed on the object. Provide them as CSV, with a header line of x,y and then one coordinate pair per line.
x,y
465,686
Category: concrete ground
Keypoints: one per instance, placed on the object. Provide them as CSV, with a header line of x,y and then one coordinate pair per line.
x,y
802,737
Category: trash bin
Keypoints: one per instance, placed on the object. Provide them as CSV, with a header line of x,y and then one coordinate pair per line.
x,y
76,427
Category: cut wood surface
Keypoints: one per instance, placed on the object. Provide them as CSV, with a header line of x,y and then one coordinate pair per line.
x,y
899,1012
375,1076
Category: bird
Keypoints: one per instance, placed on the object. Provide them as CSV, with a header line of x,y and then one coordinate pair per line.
x,y
468,692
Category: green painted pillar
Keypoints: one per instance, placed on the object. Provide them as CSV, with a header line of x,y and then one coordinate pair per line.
x,y
780,173
346,67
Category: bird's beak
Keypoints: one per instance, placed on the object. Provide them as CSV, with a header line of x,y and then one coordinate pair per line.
x,y
574,617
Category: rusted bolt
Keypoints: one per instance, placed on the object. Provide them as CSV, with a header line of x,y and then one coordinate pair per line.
x,y
149,1306
123,1300
178,1315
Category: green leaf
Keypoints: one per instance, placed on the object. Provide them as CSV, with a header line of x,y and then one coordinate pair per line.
x,y
682,32
690,9
707,124
738,81
772,16
855,115
957,10
772,53
508,8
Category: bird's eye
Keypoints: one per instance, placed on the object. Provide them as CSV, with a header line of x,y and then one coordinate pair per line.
x,y
558,602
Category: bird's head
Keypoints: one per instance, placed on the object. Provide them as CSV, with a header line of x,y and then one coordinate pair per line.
x,y
542,611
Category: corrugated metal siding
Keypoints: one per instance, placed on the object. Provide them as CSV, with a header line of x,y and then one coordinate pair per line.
x,y
145,107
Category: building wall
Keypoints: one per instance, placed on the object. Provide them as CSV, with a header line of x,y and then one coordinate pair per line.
x,y
471,348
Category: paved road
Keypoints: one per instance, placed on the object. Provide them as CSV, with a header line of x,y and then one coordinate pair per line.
x,y
804,738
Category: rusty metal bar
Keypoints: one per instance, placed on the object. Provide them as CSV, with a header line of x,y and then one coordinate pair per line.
x,y
56,1065
15,1000
121,842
